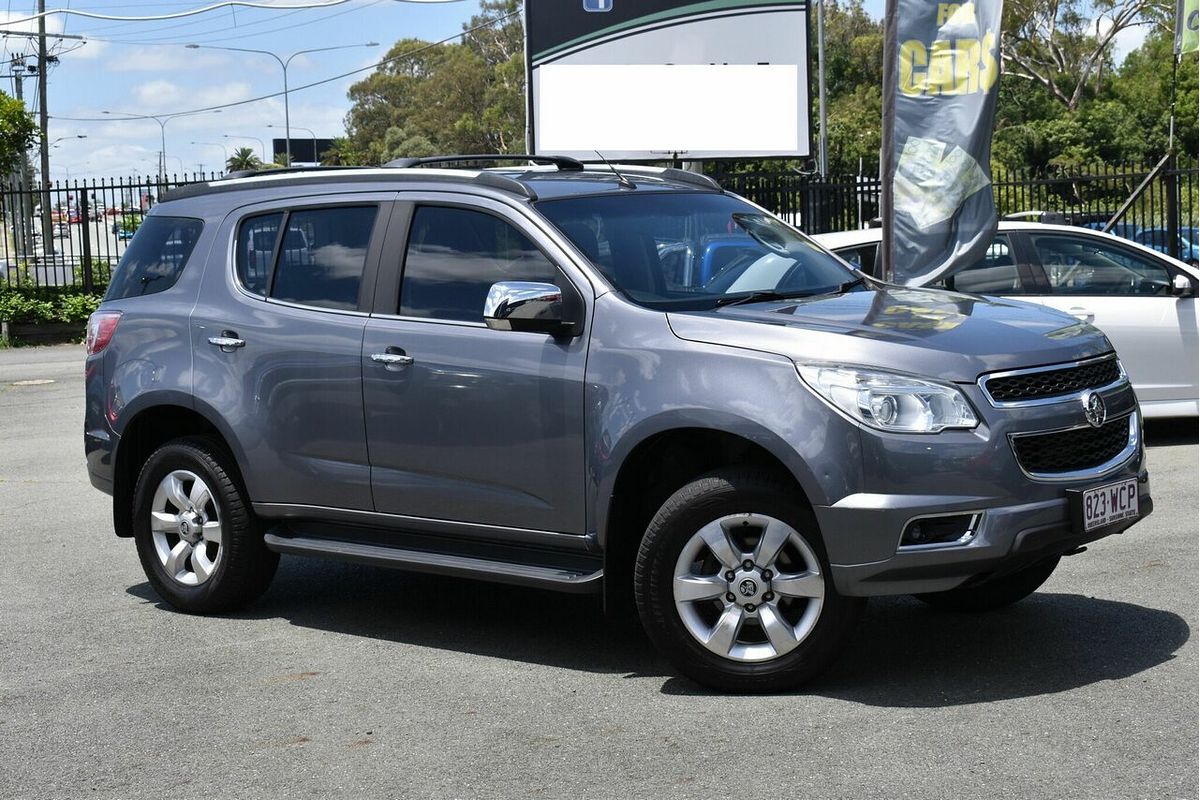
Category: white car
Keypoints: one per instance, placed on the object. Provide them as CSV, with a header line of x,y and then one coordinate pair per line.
x,y
1143,300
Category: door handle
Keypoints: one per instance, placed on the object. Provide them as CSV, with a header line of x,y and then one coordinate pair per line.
x,y
392,361
228,341
1079,312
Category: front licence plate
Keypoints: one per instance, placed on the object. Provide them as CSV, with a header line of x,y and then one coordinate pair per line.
x,y
1110,503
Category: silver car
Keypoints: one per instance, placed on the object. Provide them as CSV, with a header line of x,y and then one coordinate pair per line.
x,y
1143,300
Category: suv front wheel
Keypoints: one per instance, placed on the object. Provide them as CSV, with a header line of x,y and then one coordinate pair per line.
x,y
196,535
733,585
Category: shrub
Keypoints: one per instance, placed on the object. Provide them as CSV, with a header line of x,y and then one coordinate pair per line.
x,y
46,304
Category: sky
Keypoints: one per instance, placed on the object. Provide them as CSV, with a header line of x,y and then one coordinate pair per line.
x,y
145,68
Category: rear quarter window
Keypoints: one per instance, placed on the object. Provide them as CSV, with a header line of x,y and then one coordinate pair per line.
x,y
155,258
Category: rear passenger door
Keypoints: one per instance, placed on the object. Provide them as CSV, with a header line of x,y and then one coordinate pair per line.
x,y
277,340
481,426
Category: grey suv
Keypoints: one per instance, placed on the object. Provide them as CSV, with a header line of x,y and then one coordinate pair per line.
x,y
590,379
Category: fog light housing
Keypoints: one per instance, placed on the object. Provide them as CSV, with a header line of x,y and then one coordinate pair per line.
x,y
944,530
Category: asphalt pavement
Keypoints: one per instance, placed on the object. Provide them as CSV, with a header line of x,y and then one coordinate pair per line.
x,y
350,681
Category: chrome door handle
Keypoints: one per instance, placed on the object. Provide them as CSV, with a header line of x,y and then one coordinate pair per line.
x,y
1079,312
226,343
392,359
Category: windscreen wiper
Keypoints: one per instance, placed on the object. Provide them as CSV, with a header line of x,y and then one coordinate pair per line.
x,y
759,297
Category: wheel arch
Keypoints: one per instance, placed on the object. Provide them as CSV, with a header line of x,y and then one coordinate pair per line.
x,y
661,461
144,431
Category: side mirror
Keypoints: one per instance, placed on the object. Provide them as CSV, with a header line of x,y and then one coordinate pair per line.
x,y
532,307
1183,286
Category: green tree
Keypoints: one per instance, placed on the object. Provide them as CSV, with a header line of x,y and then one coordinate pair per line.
x,y
448,98
342,153
1064,46
1143,86
18,132
242,159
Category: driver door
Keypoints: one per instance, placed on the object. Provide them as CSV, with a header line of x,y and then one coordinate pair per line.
x,y
1125,293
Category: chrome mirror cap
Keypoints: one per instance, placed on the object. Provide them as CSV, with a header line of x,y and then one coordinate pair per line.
x,y
524,306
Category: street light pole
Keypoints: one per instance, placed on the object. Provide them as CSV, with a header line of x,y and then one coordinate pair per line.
x,y
162,131
255,138
224,149
310,132
283,63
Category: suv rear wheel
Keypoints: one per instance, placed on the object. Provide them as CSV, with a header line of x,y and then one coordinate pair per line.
x,y
198,540
732,584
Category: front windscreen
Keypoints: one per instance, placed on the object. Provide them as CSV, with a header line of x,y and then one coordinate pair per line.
x,y
694,250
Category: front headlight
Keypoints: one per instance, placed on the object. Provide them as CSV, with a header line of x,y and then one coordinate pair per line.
x,y
888,401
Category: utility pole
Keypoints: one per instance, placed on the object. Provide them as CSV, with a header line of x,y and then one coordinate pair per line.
x,y
823,155
44,118
24,231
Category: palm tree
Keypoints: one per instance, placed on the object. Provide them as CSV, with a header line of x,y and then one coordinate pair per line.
x,y
242,159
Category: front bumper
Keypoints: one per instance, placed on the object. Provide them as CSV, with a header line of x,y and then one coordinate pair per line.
x,y
1019,517
1006,539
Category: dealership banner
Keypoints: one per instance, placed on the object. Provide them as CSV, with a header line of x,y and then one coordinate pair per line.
x,y
655,79
941,75
1187,26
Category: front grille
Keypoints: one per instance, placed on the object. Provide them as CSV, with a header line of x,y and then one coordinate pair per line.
x,y
1073,450
1050,383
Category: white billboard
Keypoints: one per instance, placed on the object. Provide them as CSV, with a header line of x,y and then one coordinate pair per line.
x,y
651,79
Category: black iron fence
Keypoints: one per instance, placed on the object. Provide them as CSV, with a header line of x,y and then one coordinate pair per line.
x,y
73,233
1074,195
90,223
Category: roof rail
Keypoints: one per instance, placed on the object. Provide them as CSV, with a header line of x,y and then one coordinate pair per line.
x,y
564,163
251,173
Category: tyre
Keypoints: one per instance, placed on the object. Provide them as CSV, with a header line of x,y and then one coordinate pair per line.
x,y
994,594
733,585
197,538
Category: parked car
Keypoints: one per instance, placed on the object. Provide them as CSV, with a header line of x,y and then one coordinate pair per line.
x,y
1158,239
496,374
61,230
1143,300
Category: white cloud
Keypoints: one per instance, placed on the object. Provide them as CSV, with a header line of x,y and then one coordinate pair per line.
x,y
166,59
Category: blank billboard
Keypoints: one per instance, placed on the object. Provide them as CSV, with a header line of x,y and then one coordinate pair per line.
x,y
657,78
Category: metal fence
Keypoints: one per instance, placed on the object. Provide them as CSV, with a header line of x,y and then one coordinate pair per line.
x,y
91,222
1081,195
82,235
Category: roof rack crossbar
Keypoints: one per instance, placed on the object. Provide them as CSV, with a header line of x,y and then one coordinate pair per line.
x,y
564,163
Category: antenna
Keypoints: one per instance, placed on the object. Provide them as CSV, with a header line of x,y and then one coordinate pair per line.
x,y
624,182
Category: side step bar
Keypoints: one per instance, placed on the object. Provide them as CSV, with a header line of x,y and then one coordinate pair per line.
x,y
555,578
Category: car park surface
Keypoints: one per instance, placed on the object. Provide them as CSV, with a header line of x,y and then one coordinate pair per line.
x,y
348,680
1125,289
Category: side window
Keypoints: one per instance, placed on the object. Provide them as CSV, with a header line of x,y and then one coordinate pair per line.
x,y
862,256
255,248
456,254
1079,265
322,255
995,273
155,258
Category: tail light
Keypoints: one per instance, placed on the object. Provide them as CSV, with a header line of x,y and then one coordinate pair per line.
x,y
100,329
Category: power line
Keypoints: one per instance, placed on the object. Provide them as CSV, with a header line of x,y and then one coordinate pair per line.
x,y
251,34
194,11
323,81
